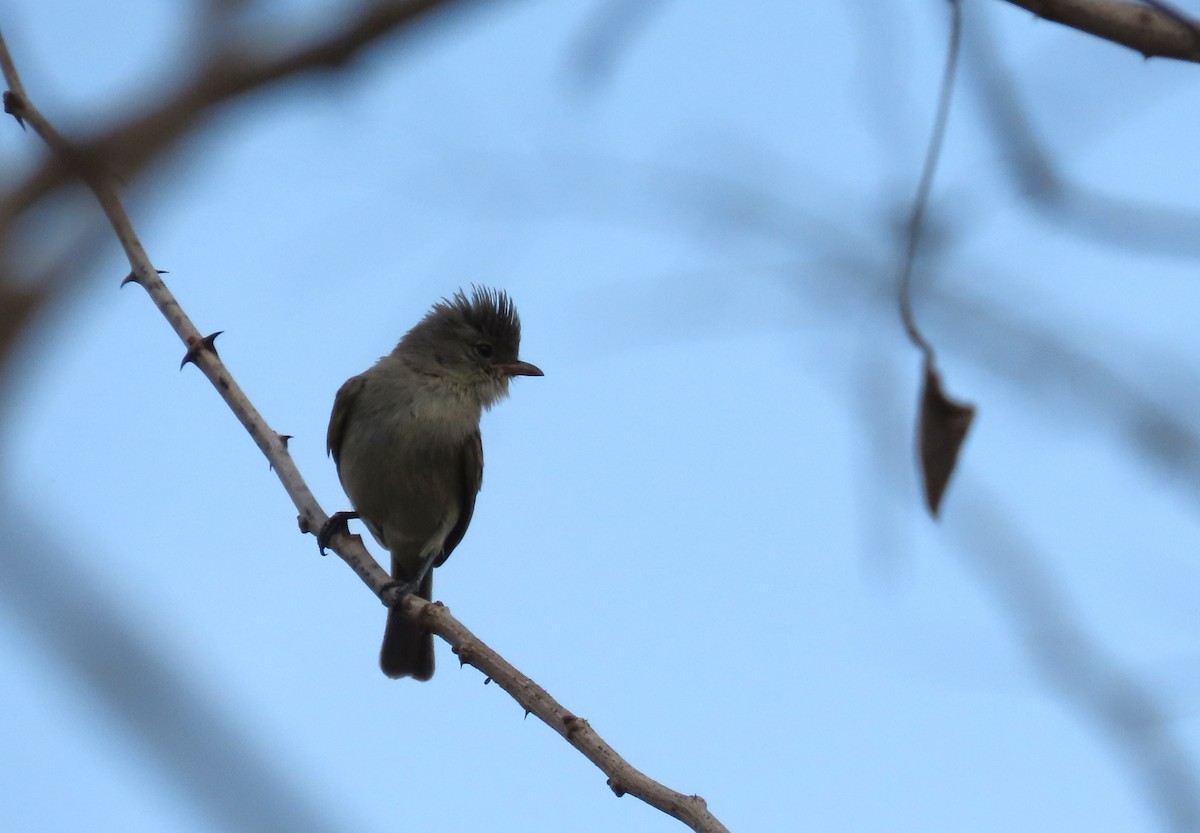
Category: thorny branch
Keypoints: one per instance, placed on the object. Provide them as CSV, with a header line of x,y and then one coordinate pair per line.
x,y
92,166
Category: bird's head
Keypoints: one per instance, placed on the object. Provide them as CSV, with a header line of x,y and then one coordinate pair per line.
x,y
471,342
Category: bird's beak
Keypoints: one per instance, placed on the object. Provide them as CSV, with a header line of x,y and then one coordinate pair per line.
x,y
519,369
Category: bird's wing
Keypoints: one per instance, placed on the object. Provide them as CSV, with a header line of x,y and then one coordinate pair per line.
x,y
343,406
471,471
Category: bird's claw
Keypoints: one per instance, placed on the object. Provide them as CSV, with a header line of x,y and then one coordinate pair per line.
x,y
400,588
338,522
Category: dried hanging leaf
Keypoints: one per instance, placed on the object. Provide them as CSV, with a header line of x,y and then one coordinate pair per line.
x,y
943,427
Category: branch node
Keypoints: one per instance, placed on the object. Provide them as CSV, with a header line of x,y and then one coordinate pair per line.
x,y
618,790
429,612
467,655
573,724
196,345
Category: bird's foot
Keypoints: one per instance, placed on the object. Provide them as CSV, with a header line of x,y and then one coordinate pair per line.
x,y
338,522
397,590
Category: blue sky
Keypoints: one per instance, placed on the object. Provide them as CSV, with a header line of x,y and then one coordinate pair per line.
x,y
702,529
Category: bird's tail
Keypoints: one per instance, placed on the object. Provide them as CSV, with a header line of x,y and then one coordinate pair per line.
x,y
408,648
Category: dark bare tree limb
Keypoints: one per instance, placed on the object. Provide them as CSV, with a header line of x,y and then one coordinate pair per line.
x,y
1154,31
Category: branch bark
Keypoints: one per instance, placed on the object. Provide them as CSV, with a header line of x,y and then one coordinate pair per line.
x,y
89,164
1152,30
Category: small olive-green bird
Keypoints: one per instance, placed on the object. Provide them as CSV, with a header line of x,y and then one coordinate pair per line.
x,y
405,438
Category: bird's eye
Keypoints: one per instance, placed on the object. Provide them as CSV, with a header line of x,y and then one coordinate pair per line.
x,y
484,350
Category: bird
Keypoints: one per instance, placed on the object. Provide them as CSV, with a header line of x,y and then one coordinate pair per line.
x,y
404,436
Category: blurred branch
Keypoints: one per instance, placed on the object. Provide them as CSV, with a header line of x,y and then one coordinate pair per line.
x,y
1070,662
1067,659
920,202
611,29
1035,358
1154,31
215,764
1005,341
201,351
1111,220
231,71
842,268
127,149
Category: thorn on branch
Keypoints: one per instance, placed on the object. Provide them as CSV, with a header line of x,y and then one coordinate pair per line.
x,y
197,345
466,653
283,438
14,106
133,278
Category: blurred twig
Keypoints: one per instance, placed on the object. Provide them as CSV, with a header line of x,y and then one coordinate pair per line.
x,y
1032,357
200,349
925,186
1070,662
1036,358
1111,220
610,29
214,763
128,148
